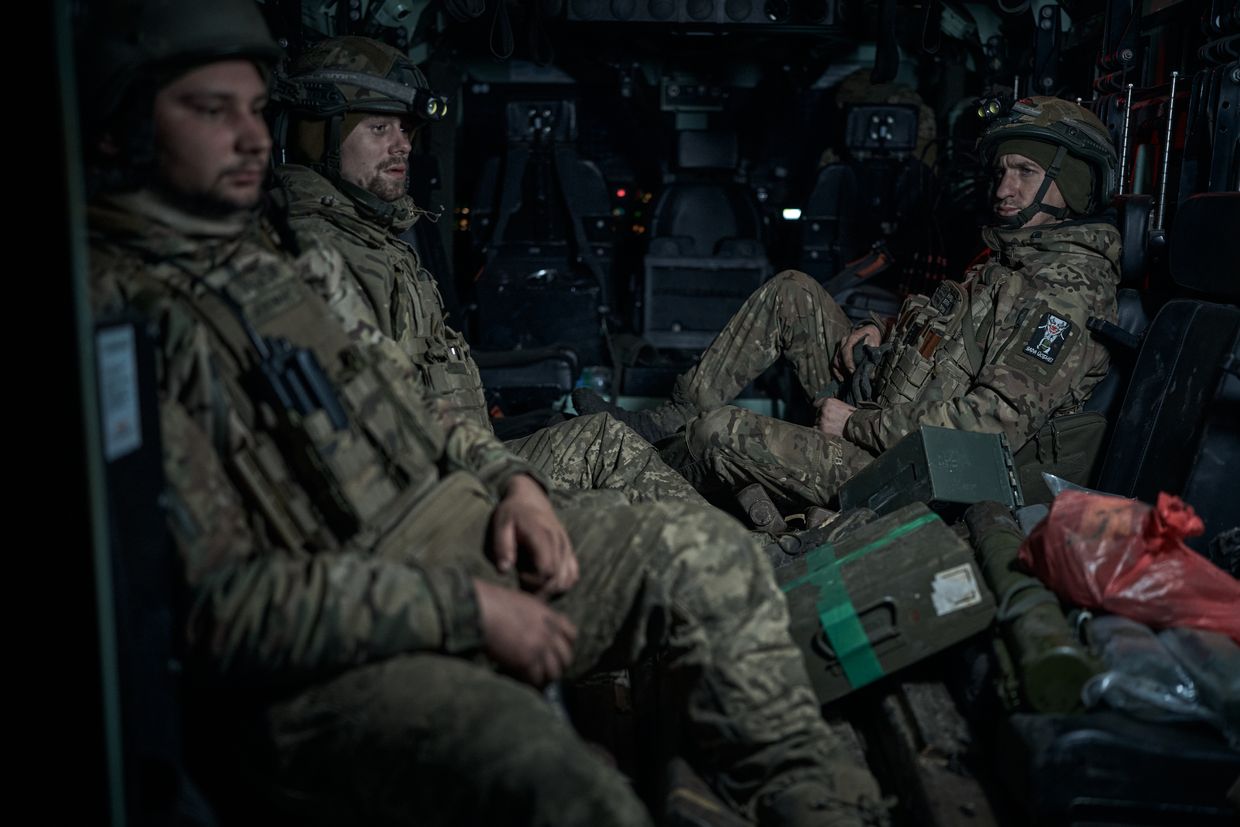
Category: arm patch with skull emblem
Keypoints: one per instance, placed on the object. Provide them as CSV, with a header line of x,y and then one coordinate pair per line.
x,y
1040,346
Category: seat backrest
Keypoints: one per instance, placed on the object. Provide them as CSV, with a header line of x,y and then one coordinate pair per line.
x,y
1133,220
1178,429
828,240
1132,217
1205,245
1157,438
868,196
1133,319
703,201
707,213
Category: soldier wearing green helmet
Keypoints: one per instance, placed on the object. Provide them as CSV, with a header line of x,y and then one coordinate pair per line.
x,y
375,593
155,46
347,110
1004,350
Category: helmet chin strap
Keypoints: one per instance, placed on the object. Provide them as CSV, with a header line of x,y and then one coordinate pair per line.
x,y
384,212
1024,216
329,168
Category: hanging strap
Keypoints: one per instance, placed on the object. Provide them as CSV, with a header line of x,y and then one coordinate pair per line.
x,y
969,330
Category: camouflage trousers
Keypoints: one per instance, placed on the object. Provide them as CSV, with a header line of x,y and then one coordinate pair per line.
x,y
790,316
725,448
729,448
600,453
426,739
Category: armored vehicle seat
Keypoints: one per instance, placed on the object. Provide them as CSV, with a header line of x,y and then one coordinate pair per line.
x,y
707,251
1178,428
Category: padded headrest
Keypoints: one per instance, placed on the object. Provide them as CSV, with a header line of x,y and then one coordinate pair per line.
x,y
1133,220
542,120
699,149
889,128
1205,245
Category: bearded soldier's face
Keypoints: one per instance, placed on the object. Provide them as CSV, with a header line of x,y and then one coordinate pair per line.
x,y
375,156
211,142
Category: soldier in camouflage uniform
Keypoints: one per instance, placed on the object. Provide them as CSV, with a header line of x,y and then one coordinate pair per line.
x,y
374,587
1006,350
352,106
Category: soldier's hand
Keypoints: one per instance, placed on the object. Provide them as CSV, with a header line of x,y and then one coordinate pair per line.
x,y
524,636
843,364
832,415
526,532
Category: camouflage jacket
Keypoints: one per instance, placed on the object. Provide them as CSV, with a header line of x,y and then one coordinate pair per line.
x,y
291,528
1026,308
402,301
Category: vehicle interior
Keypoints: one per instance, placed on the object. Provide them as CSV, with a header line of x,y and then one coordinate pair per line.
x,y
612,181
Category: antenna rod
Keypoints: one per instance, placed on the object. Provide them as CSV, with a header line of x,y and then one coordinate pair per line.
x,y
1162,187
1123,141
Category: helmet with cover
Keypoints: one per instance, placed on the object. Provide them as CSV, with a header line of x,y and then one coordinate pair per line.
x,y
1067,140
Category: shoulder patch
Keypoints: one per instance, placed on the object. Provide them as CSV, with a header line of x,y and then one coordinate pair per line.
x,y
1043,343
1048,338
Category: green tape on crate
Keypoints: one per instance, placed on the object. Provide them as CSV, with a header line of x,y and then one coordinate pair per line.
x,y
836,614
844,631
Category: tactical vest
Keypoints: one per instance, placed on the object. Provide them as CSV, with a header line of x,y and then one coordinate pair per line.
x,y
929,357
414,310
402,295
318,484
441,354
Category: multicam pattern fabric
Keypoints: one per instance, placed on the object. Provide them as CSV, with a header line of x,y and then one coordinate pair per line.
x,y
1067,272
601,454
400,302
344,634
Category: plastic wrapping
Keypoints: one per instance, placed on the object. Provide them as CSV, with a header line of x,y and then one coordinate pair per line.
x,y
1123,556
1058,485
1178,675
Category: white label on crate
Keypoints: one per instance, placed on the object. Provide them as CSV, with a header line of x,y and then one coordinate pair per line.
x,y
954,589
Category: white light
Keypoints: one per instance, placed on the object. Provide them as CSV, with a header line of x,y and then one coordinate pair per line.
x,y
792,214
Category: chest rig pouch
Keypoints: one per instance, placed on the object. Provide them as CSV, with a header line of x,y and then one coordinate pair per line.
x,y
451,375
333,456
443,355
927,344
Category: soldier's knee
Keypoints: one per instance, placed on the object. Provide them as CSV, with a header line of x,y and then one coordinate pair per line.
x,y
796,288
713,546
553,783
520,764
715,433
793,279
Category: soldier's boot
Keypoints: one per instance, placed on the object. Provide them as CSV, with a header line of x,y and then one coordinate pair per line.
x,y
690,802
817,516
760,510
827,527
651,425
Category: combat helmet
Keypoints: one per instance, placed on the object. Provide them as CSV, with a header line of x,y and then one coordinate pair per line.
x,y
1074,133
344,75
123,43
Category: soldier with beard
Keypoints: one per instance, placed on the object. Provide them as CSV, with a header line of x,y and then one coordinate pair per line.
x,y
375,590
352,106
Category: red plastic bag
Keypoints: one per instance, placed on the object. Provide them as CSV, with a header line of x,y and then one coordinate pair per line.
x,y
1104,552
